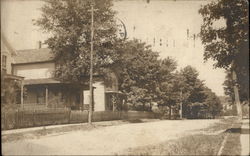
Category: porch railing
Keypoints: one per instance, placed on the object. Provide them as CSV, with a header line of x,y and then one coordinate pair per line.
x,y
38,106
29,106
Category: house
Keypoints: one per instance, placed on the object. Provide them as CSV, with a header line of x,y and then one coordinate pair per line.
x,y
7,54
43,90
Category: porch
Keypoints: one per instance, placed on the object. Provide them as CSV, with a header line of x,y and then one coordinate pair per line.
x,y
115,101
50,93
10,90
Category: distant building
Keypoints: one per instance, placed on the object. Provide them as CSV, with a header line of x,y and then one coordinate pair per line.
x,y
225,103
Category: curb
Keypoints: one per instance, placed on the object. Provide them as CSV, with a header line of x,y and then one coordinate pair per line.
x,y
244,138
223,143
34,129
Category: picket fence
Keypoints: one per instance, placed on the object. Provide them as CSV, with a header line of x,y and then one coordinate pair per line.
x,y
33,118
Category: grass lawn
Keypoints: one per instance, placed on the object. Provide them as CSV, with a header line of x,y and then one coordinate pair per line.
x,y
207,142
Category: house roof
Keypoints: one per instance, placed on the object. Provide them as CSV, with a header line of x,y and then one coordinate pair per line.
x,y
33,56
5,42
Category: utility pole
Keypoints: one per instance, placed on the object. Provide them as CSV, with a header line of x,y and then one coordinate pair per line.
x,y
91,66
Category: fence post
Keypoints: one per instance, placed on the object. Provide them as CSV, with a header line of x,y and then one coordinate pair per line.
x,y
16,118
22,105
33,114
46,95
69,115
4,120
20,113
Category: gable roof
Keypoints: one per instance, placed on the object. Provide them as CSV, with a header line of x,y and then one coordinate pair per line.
x,y
5,43
33,56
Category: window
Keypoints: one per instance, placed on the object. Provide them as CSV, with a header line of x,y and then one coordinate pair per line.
x,y
4,61
4,71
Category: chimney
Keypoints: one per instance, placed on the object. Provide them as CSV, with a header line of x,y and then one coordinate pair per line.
x,y
39,44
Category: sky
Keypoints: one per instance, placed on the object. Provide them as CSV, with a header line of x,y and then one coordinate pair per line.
x,y
169,26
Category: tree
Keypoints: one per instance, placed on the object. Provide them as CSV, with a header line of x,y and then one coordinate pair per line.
x,y
243,87
193,95
212,103
135,64
193,85
69,22
137,68
228,46
168,85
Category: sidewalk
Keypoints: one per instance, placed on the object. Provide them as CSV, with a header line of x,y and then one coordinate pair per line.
x,y
32,129
100,123
244,137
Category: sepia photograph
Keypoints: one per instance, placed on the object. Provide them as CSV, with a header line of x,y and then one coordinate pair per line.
x,y
125,77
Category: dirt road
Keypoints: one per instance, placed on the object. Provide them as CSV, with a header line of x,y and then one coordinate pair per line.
x,y
107,140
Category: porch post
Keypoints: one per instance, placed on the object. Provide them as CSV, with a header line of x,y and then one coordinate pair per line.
x,y
113,102
22,94
82,100
46,95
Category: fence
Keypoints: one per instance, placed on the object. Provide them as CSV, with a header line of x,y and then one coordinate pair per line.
x,y
33,118
30,118
31,106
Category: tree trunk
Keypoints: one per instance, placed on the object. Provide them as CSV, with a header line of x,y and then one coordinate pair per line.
x,y
236,95
170,112
180,105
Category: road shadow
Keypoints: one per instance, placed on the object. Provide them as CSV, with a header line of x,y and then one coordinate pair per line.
x,y
134,121
238,130
27,147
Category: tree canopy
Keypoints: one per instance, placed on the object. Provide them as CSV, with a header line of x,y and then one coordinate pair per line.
x,y
138,71
69,22
228,45
142,75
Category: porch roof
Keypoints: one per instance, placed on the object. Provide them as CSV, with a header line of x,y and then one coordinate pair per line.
x,y
40,81
14,77
49,81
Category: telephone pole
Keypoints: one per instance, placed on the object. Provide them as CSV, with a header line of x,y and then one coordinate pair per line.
x,y
91,66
